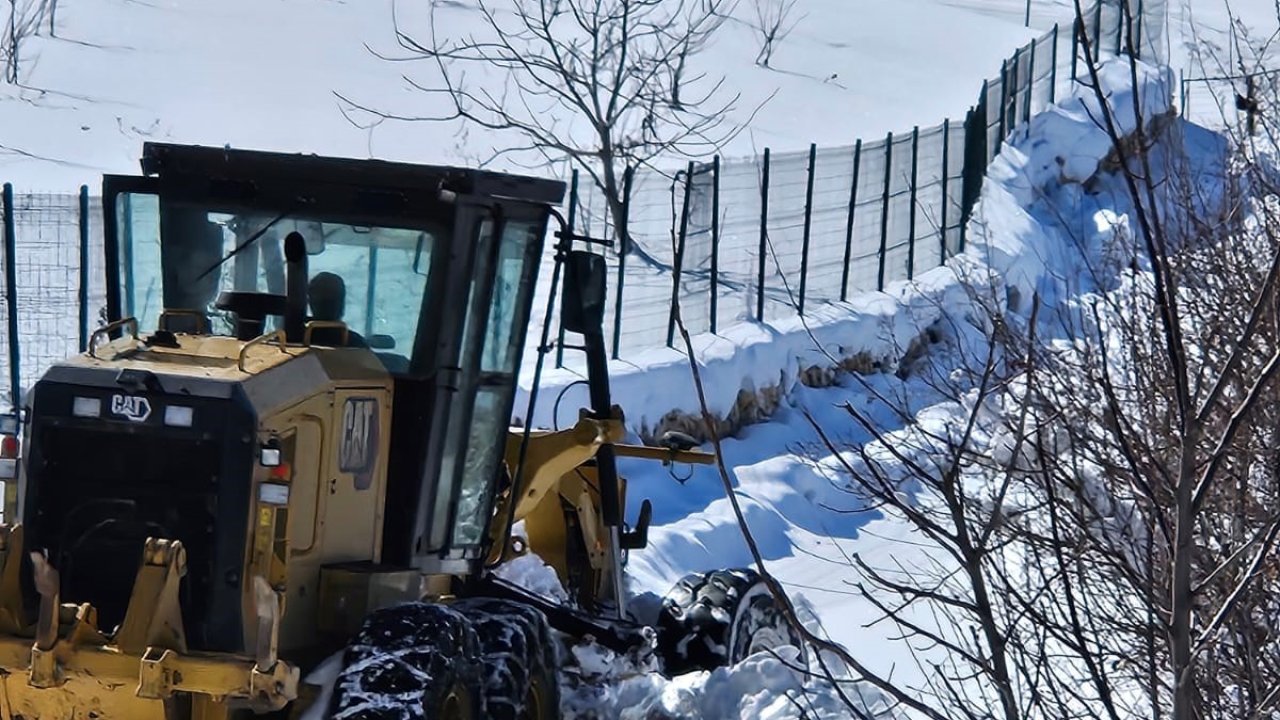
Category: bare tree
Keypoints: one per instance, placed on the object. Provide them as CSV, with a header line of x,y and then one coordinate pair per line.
x,y
25,19
608,85
1103,505
774,22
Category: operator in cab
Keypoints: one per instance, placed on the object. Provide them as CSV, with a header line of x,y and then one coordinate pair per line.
x,y
327,296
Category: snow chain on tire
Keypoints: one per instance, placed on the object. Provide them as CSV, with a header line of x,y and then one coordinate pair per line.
x,y
519,657
417,661
716,619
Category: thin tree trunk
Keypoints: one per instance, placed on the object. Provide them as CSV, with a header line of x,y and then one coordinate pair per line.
x,y
1184,702
617,207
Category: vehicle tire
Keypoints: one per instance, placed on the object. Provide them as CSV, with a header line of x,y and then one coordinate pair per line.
x,y
717,619
519,659
417,661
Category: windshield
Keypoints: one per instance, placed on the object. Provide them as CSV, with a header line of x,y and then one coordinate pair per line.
x,y
371,278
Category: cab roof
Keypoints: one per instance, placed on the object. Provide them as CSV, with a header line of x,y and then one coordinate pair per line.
x,y
252,167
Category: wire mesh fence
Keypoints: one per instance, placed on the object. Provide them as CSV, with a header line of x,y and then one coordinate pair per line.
x,y
732,240
763,238
54,282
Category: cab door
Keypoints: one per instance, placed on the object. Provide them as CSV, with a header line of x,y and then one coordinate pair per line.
x,y
355,486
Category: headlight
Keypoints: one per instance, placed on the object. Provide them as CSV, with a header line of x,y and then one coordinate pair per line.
x,y
179,416
86,407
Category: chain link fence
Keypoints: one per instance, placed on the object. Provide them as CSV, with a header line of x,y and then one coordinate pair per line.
x,y
733,240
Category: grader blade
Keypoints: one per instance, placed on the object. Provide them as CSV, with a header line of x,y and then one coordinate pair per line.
x,y
63,666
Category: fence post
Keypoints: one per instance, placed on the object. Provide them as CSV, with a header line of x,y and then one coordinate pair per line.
x,y
975,163
946,181
764,237
628,176
848,230
1009,99
84,267
884,211
715,241
1053,73
371,292
1185,89
979,113
1031,83
1004,93
569,226
808,225
678,265
1076,26
911,222
11,295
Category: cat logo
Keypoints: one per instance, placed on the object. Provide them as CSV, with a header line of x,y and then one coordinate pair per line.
x,y
131,407
359,445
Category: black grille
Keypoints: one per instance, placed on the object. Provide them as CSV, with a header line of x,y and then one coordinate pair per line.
x,y
105,489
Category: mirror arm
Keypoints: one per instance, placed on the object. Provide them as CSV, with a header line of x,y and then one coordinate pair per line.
x,y
567,237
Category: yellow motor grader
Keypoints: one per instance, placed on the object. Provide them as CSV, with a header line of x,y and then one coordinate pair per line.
x,y
291,442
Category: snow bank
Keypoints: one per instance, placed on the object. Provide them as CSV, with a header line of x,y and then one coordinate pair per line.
x,y
1007,248
877,328
1065,145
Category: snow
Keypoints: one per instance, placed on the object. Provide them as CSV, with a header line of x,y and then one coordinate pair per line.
x,y
532,574
264,75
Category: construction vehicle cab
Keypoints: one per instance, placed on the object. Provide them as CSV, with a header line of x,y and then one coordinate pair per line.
x,y
294,421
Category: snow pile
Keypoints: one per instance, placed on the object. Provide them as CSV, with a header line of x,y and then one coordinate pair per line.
x,y
601,684
531,573
1061,149
760,687
752,356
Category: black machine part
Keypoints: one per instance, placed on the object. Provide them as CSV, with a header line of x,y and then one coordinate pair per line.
x,y
620,636
584,303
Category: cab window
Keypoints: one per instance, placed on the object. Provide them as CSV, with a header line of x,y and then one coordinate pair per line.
x,y
371,278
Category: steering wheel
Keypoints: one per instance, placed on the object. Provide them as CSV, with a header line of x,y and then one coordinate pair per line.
x,y
251,310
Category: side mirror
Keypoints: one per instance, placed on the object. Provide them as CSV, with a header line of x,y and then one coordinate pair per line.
x,y
583,302
417,254
381,342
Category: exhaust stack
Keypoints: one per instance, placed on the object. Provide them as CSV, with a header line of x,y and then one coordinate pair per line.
x,y
295,258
